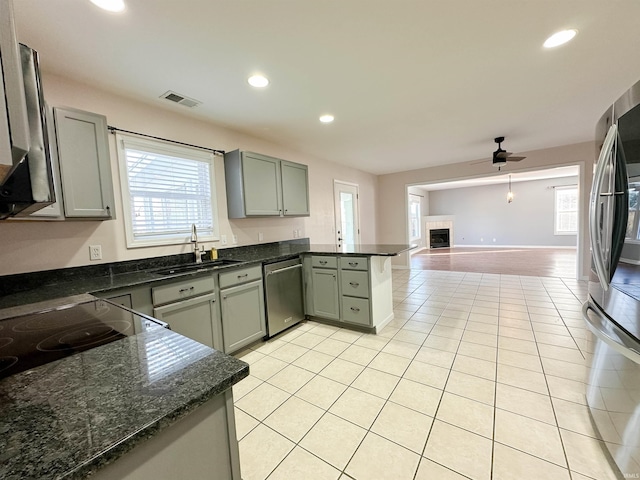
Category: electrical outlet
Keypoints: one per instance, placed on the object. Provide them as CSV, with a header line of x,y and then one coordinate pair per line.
x,y
223,239
260,236
295,233
494,240
235,239
481,239
95,252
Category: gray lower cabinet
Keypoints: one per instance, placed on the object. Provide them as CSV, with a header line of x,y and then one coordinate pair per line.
x,y
351,289
189,307
355,288
242,307
195,318
85,165
325,293
203,444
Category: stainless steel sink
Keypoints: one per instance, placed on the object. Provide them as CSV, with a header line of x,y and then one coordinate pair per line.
x,y
198,267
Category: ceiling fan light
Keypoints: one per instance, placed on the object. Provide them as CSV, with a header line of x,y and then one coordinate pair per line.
x,y
326,118
560,38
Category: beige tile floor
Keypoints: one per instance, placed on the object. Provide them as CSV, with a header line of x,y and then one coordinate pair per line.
x,y
478,376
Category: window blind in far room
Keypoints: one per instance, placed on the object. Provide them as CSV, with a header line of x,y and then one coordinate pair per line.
x,y
566,210
166,189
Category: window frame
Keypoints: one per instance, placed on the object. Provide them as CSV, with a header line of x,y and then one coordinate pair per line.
x,y
634,184
556,210
162,147
415,199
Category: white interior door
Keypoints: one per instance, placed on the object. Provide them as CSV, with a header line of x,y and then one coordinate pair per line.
x,y
347,213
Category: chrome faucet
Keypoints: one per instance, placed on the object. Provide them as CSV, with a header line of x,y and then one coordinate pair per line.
x,y
194,240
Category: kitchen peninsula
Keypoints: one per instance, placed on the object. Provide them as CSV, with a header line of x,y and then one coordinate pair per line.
x,y
108,411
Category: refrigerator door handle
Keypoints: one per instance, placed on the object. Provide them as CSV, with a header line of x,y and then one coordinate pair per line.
x,y
594,212
611,334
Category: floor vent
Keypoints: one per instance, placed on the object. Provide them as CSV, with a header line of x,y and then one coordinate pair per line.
x,y
181,99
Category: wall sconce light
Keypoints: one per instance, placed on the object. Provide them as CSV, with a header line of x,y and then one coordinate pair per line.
x,y
510,194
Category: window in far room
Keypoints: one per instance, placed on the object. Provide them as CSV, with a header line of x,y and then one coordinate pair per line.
x,y
633,229
414,217
566,210
166,188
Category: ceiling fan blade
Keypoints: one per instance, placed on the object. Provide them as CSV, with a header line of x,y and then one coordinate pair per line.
x,y
480,161
515,159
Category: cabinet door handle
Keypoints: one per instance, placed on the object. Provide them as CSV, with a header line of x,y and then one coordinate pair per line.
x,y
355,309
353,264
242,276
322,262
354,284
182,290
224,297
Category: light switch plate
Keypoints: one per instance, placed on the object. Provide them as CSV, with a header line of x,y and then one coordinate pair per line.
x,y
234,239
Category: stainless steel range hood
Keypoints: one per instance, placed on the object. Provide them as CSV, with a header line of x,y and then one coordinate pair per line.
x,y
26,182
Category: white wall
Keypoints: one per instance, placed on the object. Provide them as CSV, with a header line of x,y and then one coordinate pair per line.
x,y
392,188
32,246
483,217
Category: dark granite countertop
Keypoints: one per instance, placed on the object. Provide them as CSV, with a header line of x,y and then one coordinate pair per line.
x,y
68,418
36,287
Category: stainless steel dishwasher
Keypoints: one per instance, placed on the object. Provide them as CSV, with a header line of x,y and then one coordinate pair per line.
x,y
283,295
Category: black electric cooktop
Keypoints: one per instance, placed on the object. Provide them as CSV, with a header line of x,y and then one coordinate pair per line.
x,y
28,341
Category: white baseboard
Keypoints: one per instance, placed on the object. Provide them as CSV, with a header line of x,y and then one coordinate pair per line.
x,y
628,260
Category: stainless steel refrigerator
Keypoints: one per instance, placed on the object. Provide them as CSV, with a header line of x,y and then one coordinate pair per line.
x,y
612,311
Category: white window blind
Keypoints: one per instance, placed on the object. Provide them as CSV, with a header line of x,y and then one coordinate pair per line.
x,y
414,216
168,189
566,221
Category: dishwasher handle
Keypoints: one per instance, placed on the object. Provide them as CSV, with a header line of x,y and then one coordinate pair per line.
x,y
280,270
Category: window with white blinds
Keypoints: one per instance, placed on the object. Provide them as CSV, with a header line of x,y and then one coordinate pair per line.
x,y
166,189
566,210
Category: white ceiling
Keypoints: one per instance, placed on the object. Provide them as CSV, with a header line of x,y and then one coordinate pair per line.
x,y
412,83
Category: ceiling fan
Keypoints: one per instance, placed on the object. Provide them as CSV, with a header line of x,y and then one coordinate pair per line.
x,y
501,157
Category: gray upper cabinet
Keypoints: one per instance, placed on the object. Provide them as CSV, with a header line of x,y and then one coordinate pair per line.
x,y
295,188
85,170
259,186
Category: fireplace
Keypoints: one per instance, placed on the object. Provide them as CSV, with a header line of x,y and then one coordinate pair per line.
x,y
439,238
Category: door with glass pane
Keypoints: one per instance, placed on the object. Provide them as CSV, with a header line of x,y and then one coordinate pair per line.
x,y
347,214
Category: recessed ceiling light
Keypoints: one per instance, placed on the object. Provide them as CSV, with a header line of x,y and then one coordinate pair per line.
x,y
110,5
258,81
560,38
327,118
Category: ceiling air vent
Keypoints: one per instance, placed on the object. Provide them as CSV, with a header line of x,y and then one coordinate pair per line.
x,y
181,99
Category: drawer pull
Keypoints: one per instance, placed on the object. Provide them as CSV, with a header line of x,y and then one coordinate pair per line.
x,y
353,264
182,290
354,284
355,309
322,262
242,276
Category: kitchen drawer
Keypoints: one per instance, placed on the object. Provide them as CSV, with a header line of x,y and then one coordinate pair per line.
x,y
243,275
355,284
354,263
324,262
355,310
182,289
